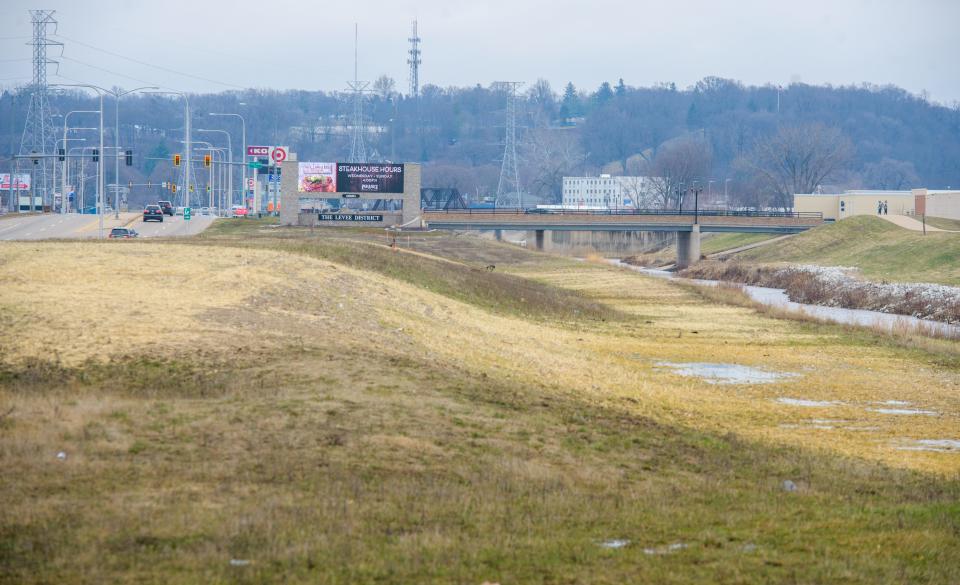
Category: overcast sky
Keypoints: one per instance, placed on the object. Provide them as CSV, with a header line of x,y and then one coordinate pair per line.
x,y
214,45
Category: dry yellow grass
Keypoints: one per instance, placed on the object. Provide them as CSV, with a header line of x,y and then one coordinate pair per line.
x,y
371,430
86,300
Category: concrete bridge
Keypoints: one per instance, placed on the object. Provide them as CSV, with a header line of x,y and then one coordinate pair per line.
x,y
687,224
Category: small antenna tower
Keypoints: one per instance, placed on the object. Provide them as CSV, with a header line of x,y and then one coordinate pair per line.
x,y
509,193
38,132
414,62
358,152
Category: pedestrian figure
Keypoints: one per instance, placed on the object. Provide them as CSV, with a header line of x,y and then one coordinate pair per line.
x,y
885,208
879,207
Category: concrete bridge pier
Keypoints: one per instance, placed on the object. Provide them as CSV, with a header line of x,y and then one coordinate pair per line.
x,y
535,239
498,234
688,247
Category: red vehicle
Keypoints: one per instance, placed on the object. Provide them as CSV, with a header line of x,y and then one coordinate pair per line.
x,y
238,210
153,213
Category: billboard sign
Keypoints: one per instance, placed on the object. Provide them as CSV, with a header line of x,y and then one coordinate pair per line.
x,y
258,150
369,178
317,177
22,183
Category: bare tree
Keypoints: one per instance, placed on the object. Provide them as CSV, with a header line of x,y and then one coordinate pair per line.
x,y
890,174
797,159
384,86
677,165
547,156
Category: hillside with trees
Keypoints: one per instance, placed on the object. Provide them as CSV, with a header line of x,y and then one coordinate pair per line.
x,y
719,132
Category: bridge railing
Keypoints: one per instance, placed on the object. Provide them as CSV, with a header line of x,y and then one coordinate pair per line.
x,y
812,215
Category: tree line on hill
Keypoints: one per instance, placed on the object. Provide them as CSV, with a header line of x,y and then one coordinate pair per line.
x,y
759,144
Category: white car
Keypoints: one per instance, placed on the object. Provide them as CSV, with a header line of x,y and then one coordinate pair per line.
x,y
178,211
204,211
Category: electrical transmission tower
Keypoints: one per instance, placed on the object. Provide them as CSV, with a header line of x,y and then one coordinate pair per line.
x,y
358,152
38,132
414,62
509,193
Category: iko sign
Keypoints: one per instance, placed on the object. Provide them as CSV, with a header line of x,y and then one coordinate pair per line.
x,y
259,151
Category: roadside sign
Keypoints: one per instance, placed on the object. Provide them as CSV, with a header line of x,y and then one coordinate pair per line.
x,y
351,195
249,182
186,214
258,151
278,154
254,164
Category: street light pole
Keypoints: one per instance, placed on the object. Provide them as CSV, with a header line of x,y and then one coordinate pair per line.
x,y
229,158
243,157
100,184
186,127
63,206
116,137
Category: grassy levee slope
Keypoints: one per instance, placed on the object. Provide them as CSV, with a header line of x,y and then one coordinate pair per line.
x,y
881,250
307,411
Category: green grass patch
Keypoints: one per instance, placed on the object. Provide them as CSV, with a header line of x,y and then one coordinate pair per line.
x,y
727,241
944,223
881,250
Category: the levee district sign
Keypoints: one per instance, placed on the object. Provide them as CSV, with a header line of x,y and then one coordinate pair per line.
x,y
369,178
348,217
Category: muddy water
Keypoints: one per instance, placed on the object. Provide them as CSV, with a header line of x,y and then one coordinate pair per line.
x,y
776,297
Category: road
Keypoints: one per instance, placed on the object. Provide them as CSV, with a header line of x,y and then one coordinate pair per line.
x,y
73,226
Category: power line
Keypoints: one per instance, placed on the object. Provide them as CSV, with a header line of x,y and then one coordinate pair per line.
x,y
105,70
146,64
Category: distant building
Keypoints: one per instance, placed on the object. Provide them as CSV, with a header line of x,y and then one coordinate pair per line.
x,y
837,206
606,192
937,202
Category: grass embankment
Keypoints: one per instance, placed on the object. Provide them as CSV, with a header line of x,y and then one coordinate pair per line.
x,y
330,424
944,223
881,250
711,243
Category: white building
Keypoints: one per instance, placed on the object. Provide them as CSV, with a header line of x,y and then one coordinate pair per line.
x,y
607,192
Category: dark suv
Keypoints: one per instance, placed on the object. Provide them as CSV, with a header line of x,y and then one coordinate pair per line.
x,y
153,212
167,207
123,233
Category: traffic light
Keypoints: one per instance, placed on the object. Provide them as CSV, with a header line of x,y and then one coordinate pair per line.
x,y
96,155
61,154
206,160
173,187
129,157
176,160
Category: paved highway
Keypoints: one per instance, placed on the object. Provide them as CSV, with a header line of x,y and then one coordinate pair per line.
x,y
49,226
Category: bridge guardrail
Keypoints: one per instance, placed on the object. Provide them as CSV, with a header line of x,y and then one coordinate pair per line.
x,y
814,215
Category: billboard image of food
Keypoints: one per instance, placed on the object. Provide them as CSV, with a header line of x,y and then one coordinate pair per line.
x,y
317,177
369,178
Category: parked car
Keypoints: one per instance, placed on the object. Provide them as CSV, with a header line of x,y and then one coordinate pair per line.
x,y
123,233
238,211
167,207
179,211
153,213
204,211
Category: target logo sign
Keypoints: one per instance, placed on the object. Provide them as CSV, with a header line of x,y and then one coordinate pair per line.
x,y
278,154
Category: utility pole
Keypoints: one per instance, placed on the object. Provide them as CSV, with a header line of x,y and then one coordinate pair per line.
x,y
38,130
414,61
509,192
358,152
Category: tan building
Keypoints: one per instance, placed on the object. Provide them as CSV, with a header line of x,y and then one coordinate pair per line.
x,y
837,206
937,202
